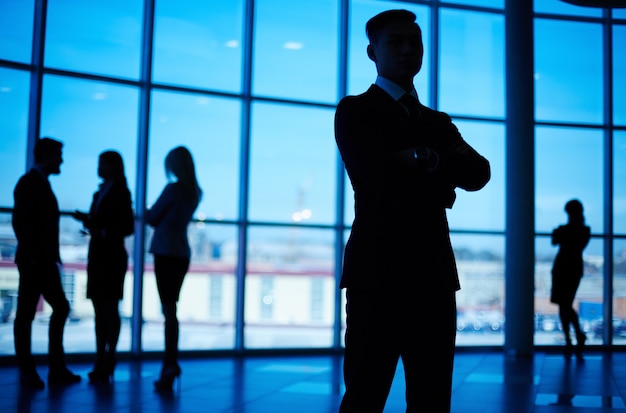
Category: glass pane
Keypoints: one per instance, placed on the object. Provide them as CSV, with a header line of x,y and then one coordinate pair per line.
x,y
588,301
9,279
472,63
99,37
209,128
14,95
499,4
561,7
619,182
361,70
89,117
16,30
295,49
480,301
619,75
619,13
619,291
292,168
290,288
206,308
198,43
482,210
568,84
561,175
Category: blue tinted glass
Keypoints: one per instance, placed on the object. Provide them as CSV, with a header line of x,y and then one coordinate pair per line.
x,y
100,37
619,75
482,210
14,94
472,63
562,7
568,71
361,70
619,183
198,43
295,49
16,30
209,128
292,164
619,13
568,164
498,4
89,117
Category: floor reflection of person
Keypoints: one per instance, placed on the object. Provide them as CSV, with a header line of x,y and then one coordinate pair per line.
x,y
35,221
170,216
404,161
567,271
109,221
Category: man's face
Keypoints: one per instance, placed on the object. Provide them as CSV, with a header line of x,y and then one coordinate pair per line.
x,y
398,52
53,161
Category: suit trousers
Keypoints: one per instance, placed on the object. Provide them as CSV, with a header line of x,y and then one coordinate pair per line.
x,y
34,282
385,326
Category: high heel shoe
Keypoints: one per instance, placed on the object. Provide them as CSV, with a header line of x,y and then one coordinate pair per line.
x,y
168,374
103,373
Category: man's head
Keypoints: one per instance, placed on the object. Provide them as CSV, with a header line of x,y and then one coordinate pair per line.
x,y
395,45
48,154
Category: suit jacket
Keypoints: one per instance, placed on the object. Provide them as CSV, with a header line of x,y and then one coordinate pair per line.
x,y
35,221
170,216
568,267
110,221
400,235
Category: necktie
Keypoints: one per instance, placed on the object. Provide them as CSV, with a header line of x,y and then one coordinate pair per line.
x,y
411,105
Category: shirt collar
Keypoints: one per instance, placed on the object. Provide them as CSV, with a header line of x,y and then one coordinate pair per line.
x,y
395,91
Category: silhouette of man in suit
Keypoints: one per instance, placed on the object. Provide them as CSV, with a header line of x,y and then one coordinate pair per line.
x,y
404,162
36,224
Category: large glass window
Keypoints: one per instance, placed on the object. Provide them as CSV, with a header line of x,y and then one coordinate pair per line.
x,y
619,183
198,43
619,80
16,30
472,64
99,37
290,288
568,164
14,93
568,84
292,164
295,49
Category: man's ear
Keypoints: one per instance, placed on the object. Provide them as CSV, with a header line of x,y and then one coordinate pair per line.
x,y
370,53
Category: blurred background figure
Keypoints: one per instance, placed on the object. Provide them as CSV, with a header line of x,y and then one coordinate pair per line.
x,y
567,271
109,221
170,217
35,221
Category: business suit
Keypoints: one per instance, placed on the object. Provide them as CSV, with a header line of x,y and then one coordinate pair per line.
x,y
35,221
110,222
399,268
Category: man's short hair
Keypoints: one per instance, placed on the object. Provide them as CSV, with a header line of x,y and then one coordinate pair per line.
x,y
376,24
46,146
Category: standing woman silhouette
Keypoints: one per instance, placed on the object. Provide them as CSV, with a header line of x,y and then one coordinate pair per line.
x,y
567,271
109,221
170,217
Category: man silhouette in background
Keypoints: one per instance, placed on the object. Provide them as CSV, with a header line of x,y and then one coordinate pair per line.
x,y
36,224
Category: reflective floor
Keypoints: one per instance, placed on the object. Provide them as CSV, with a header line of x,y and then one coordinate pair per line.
x,y
483,382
